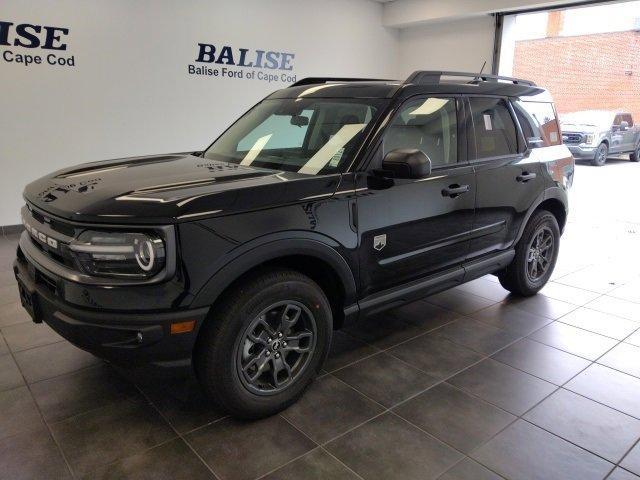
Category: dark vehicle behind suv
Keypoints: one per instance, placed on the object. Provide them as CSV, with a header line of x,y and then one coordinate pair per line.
x,y
328,201
595,134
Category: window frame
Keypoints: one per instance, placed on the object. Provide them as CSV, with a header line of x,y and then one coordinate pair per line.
x,y
375,154
521,143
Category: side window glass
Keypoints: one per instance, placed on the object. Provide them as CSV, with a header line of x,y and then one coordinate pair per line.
x,y
627,118
538,122
429,125
494,127
617,120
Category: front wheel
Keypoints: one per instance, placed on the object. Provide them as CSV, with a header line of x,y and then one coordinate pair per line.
x,y
264,344
536,255
635,155
600,157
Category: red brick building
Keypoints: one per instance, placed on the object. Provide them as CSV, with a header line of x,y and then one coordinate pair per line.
x,y
583,72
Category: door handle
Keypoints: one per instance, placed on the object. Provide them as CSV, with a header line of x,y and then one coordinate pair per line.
x,y
525,177
454,190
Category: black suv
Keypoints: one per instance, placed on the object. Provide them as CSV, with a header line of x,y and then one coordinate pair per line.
x,y
328,201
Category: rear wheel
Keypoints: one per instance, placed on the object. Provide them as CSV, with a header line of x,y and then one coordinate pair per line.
x,y
601,154
635,155
264,344
536,255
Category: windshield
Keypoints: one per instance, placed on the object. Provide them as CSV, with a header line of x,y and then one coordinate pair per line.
x,y
305,135
594,118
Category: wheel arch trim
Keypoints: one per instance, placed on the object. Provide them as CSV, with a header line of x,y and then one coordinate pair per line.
x,y
555,195
256,253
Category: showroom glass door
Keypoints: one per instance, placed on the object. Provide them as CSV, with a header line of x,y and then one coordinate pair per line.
x,y
410,228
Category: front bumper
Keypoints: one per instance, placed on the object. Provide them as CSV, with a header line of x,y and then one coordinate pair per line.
x,y
126,338
582,153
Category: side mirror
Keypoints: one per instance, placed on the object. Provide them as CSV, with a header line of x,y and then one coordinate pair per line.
x,y
624,125
407,163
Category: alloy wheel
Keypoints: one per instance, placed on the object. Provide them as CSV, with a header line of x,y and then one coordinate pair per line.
x,y
540,253
276,347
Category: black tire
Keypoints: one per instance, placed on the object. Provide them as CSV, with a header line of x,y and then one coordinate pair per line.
x,y
517,277
600,157
224,339
635,155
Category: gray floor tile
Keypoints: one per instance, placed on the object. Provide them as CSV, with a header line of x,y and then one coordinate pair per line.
x,y
486,288
68,395
32,455
346,350
601,323
435,355
460,302
49,361
103,435
524,451
511,318
574,340
624,357
237,450
568,294
9,294
501,385
541,305
19,412
596,279
615,389
7,278
634,339
615,306
629,292
455,417
171,461
315,465
389,448
620,474
477,336
385,379
29,335
13,313
384,330
632,461
590,425
545,362
425,315
467,469
183,404
10,376
330,408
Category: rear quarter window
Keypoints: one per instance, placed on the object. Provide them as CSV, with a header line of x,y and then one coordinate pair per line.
x,y
539,123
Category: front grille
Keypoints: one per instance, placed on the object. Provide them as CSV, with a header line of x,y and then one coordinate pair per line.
x,y
572,138
50,236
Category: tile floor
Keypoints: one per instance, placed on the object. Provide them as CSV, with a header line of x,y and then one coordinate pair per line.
x,y
468,384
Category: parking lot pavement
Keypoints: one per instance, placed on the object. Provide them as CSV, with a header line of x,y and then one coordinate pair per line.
x,y
470,384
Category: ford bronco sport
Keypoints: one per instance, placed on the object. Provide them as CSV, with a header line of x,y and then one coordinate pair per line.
x,y
328,201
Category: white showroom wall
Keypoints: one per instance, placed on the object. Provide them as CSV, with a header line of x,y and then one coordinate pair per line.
x,y
129,91
461,44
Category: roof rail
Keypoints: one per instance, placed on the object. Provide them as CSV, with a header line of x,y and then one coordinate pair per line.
x,y
422,77
312,80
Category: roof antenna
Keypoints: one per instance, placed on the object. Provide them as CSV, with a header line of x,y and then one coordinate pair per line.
x,y
477,77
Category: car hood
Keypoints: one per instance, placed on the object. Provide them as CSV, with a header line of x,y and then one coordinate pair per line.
x,y
168,188
579,128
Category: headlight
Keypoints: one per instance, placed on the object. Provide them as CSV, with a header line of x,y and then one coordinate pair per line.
x,y
588,139
119,254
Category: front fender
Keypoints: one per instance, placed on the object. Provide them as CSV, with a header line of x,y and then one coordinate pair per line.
x,y
271,247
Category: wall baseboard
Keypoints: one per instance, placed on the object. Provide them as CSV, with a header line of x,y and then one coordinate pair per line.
x,y
12,229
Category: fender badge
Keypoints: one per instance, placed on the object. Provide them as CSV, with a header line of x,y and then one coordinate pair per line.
x,y
379,242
